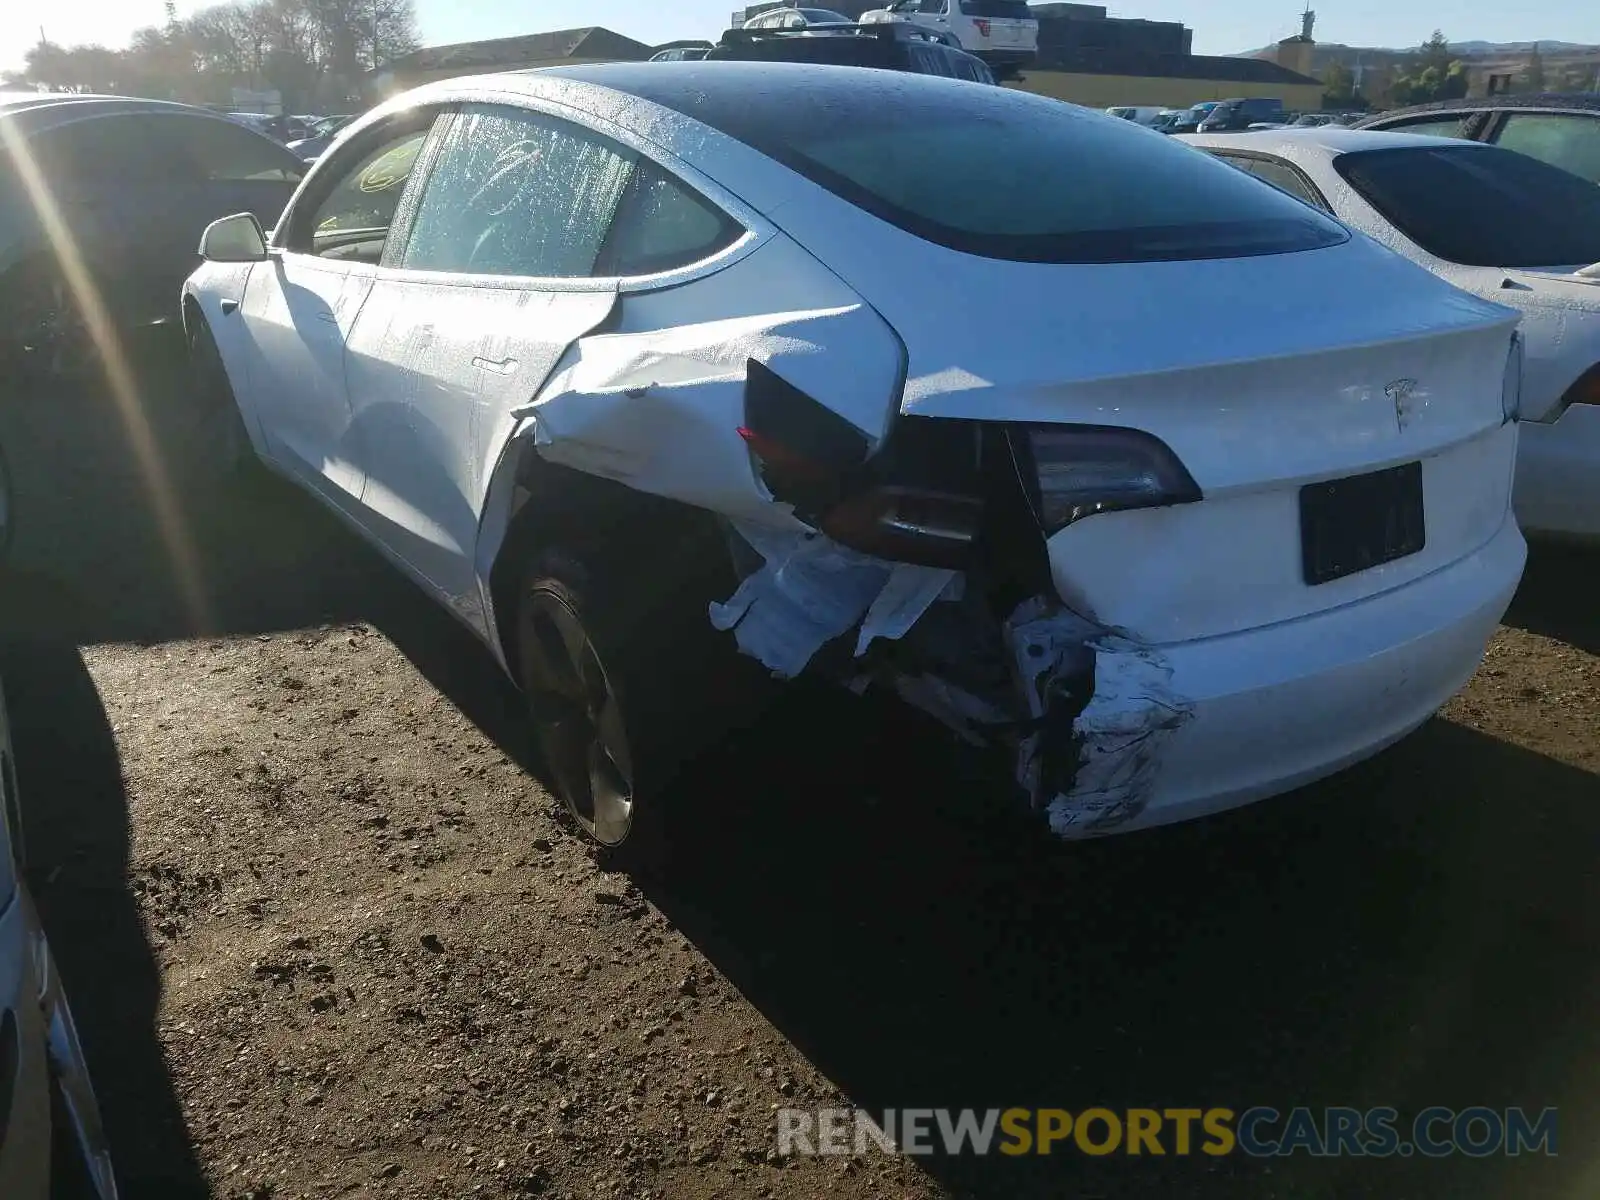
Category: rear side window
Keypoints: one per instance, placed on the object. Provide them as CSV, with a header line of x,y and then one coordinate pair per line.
x,y
1006,175
1571,143
927,60
830,50
1481,206
1005,10
222,151
970,68
662,225
517,193
1282,175
1451,125
111,151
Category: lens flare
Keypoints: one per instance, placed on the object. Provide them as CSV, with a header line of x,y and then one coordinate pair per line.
x,y
120,378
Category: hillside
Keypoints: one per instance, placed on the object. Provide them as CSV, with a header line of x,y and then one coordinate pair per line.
x,y
1473,49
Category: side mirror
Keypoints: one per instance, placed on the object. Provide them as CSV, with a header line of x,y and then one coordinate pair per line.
x,y
234,239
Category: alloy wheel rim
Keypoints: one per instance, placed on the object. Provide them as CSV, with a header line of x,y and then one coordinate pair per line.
x,y
580,721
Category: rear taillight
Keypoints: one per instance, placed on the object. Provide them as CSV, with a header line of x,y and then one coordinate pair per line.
x,y
1075,471
982,26
802,450
914,525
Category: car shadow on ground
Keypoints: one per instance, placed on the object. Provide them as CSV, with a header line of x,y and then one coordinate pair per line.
x,y
75,818
1419,931
1557,596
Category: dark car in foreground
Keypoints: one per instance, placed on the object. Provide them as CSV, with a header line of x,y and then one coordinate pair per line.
x,y
1560,129
102,203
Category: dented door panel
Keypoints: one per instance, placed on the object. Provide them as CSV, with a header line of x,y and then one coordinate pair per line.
x,y
297,313
437,370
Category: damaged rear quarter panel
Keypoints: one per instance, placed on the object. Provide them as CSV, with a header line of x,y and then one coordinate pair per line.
x,y
656,403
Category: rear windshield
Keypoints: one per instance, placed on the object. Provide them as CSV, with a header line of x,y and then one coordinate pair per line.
x,y
1005,10
1480,206
1002,174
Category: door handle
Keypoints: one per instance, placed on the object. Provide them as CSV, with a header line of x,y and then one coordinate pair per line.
x,y
229,307
500,366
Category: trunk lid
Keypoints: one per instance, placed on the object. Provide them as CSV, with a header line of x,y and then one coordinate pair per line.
x,y
1262,374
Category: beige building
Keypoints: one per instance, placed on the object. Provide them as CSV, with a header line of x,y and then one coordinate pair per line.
x,y
565,47
1172,82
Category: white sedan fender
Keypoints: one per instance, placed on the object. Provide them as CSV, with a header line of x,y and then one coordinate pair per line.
x,y
215,293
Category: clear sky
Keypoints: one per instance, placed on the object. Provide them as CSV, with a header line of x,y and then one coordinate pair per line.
x,y
1218,28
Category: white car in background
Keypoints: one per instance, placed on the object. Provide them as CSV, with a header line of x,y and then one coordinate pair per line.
x,y
1496,223
1139,114
1004,33
650,372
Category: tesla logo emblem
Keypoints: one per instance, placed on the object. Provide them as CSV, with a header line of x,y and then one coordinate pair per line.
x,y
1400,391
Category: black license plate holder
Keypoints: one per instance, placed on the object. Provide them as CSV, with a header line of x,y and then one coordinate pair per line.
x,y
1362,521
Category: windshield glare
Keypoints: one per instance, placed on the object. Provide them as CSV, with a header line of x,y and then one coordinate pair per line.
x,y
1481,206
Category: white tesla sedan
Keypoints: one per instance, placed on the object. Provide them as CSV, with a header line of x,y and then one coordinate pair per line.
x,y
1503,226
635,365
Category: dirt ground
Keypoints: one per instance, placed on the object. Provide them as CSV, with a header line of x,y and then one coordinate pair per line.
x,y
328,936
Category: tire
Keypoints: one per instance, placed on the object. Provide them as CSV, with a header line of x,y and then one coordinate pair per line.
x,y
626,681
218,445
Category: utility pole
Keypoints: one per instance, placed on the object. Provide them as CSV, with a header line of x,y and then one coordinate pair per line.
x,y
374,35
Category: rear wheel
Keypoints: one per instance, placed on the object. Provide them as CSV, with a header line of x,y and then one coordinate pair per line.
x,y
626,681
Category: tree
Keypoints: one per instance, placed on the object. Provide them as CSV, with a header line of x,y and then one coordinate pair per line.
x,y
1339,88
1435,52
310,51
1533,74
1431,75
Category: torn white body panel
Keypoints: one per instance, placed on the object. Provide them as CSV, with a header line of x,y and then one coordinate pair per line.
x,y
812,590
656,403
1116,736
660,411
